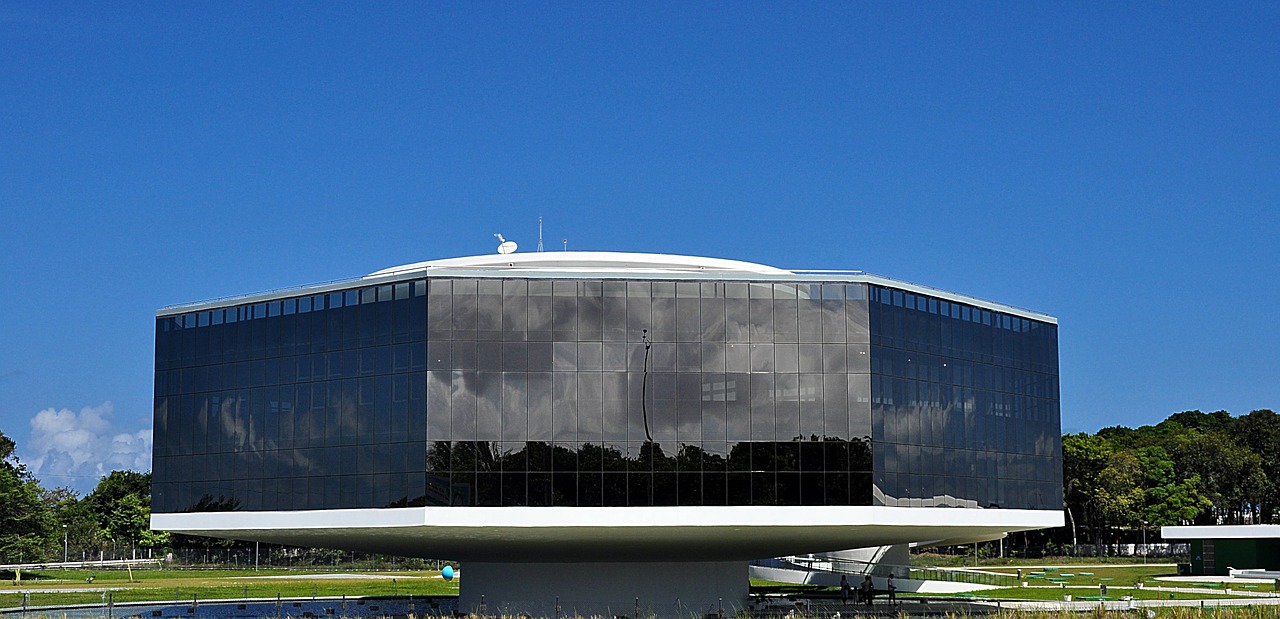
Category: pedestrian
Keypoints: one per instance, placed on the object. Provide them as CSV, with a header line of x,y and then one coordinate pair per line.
x,y
893,596
844,589
868,590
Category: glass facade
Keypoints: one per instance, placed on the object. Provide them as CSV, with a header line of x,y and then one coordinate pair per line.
x,y
965,405
538,391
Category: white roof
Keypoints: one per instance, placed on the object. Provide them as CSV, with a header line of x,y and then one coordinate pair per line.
x,y
589,261
1224,531
602,264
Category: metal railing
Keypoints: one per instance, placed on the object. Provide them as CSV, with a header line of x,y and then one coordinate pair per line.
x,y
972,577
855,567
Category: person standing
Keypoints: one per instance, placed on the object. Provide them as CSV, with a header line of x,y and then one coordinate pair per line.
x,y
868,590
893,597
844,589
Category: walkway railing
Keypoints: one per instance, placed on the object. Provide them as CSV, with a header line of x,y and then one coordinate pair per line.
x,y
854,567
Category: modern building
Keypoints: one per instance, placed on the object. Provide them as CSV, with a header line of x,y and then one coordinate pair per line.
x,y
601,427
1220,550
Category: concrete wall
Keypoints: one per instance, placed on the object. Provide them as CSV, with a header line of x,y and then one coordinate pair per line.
x,y
672,589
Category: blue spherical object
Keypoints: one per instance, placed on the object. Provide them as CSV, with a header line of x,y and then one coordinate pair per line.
x,y
447,572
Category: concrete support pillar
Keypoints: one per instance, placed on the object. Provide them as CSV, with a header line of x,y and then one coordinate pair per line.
x,y
674,589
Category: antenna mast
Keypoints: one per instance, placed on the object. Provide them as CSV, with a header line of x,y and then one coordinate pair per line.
x,y
539,234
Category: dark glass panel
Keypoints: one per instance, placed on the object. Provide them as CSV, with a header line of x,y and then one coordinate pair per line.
x,y
786,457
714,488
711,313
514,489
705,421
762,358
564,489
764,489
488,489
689,489
590,493
613,459
614,489
590,312
665,489
590,356
738,488
761,394
540,490
640,488
788,492
515,310
488,315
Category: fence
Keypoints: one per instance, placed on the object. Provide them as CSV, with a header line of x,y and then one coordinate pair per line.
x,y
964,576
855,567
1171,552
260,556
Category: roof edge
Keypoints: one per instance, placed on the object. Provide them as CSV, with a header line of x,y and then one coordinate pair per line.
x,y
588,261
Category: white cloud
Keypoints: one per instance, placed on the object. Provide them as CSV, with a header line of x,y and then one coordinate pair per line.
x,y
76,449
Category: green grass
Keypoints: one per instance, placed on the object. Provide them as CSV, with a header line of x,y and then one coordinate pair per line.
x,y
770,587
1111,575
929,559
164,584
1056,594
170,584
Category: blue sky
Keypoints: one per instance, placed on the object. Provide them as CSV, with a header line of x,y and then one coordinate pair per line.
x,y
1114,165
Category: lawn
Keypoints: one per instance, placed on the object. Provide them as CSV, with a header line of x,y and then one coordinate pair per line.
x,y
1056,594
930,559
1120,576
58,587
1079,584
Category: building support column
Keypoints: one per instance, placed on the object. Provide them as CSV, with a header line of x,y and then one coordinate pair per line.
x,y
661,589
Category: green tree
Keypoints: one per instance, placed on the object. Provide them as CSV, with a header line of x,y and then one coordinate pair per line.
x,y
83,531
1168,499
1120,491
1260,432
1231,475
1217,421
121,507
1175,503
26,522
1084,457
128,519
117,485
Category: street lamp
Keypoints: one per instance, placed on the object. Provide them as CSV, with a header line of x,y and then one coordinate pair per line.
x,y
64,543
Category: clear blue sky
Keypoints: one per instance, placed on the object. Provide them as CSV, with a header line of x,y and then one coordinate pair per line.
x,y
1116,165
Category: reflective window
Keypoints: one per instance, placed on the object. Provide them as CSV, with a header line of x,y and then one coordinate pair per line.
x,y
579,393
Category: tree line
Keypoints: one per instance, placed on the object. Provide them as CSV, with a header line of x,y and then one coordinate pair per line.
x,y
1191,468
39,524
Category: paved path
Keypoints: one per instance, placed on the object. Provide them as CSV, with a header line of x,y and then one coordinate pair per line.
x,y
1123,605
